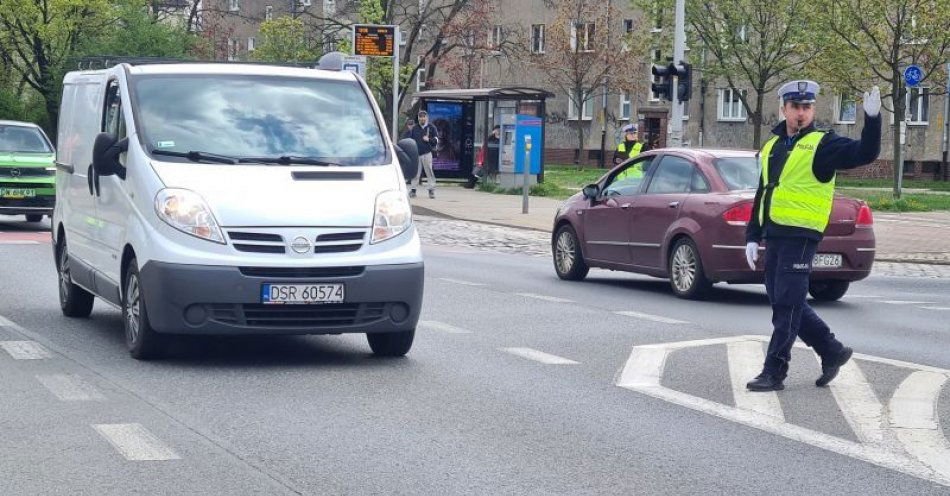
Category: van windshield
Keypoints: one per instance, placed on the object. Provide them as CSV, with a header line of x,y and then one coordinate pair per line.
x,y
23,139
738,172
258,116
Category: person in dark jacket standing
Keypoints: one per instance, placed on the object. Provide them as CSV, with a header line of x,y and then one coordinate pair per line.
x,y
790,211
427,138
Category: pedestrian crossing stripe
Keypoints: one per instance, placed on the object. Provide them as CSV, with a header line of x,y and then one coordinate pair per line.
x,y
904,435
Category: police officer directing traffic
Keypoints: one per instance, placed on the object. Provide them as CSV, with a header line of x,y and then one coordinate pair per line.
x,y
791,210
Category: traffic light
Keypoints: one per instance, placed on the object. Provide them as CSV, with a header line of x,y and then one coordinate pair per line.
x,y
664,88
684,84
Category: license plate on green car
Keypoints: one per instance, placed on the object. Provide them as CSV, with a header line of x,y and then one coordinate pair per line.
x,y
17,193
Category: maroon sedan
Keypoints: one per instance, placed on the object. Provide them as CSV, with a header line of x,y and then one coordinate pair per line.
x,y
682,213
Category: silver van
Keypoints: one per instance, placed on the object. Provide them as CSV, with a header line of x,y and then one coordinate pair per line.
x,y
234,199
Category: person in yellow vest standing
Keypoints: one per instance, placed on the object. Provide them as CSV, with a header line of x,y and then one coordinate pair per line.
x,y
791,210
629,147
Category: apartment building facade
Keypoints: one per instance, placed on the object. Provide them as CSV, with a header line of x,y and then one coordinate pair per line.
x,y
714,117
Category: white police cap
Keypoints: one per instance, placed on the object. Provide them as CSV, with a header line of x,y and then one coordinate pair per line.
x,y
803,91
631,128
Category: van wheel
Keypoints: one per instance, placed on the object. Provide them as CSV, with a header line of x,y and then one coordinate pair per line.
x,y
34,217
568,259
142,341
390,344
828,290
73,300
687,276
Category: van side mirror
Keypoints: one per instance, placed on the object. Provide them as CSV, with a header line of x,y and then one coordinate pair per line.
x,y
105,155
591,191
408,155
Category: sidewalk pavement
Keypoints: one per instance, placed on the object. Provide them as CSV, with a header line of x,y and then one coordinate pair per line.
x,y
922,237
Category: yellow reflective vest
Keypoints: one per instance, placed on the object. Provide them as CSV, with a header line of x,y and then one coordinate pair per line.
x,y
634,150
799,199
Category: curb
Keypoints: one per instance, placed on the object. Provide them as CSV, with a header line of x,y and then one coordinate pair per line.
x,y
913,261
435,213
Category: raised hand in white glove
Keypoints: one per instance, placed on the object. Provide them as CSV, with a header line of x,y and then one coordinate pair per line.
x,y
872,102
751,254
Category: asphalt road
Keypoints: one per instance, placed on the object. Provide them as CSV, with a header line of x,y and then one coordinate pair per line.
x,y
518,383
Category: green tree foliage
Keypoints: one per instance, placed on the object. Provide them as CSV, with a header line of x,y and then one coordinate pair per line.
x,y
868,42
283,39
133,31
751,45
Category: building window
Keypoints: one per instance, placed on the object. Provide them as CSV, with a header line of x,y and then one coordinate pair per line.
x,y
918,105
627,26
847,109
268,13
234,5
420,76
251,44
329,7
625,107
587,109
582,34
232,50
537,38
655,97
657,17
730,106
497,35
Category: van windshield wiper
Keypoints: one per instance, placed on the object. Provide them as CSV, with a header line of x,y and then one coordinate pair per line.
x,y
197,156
288,160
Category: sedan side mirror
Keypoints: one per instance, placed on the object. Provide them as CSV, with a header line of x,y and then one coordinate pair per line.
x,y
591,191
408,155
105,154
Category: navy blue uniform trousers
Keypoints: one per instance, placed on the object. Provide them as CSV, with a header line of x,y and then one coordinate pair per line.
x,y
788,264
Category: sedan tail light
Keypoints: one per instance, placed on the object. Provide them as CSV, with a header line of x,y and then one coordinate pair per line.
x,y
865,219
738,215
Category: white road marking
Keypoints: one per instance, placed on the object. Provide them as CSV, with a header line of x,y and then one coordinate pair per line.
x,y
913,415
25,350
928,455
70,387
554,299
4,322
442,326
902,302
858,403
745,362
935,308
459,281
20,242
654,318
861,296
539,356
135,443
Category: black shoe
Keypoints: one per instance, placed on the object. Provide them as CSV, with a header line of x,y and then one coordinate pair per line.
x,y
432,194
765,382
830,368
412,193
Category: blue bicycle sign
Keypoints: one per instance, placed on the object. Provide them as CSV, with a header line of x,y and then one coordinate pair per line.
x,y
913,75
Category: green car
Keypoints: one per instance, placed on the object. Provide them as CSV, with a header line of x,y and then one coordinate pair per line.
x,y
27,171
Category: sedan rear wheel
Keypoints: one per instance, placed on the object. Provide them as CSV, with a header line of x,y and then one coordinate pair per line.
x,y
568,260
687,277
828,290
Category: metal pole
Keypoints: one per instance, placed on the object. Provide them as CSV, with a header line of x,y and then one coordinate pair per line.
x,y
900,154
946,127
679,52
525,174
395,128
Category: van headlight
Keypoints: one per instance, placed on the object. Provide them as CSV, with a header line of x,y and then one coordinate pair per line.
x,y
187,211
393,216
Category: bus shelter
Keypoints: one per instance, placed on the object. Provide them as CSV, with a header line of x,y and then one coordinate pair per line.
x,y
465,118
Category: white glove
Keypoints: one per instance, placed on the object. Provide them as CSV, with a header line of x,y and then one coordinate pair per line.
x,y
751,254
872,102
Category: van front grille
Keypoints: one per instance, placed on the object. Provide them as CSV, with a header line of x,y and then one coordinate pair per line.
x,y
25,172
299,316
257,242
302,272
260,248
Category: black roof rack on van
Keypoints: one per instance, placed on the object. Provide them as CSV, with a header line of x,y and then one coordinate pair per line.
x,y
98,62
